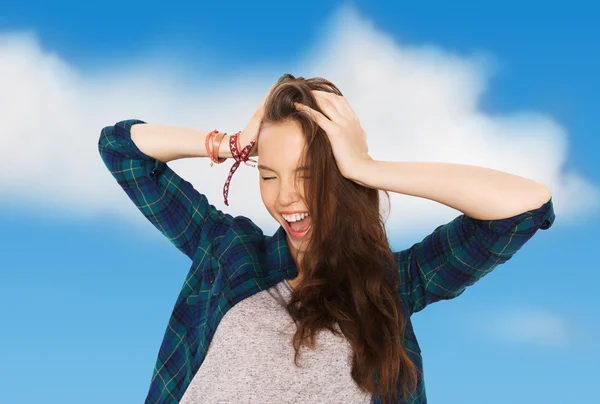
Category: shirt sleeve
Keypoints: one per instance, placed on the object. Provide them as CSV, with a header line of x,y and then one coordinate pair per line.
x,y
169,202
457,254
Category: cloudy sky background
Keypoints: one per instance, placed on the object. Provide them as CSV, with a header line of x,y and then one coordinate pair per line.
x,y
87,284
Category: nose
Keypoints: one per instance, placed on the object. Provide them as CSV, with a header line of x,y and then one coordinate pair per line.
x,y
288,193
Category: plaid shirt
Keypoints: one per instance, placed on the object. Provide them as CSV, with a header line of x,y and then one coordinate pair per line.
x,y
232,259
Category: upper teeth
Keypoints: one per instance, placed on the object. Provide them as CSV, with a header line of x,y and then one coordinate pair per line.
x,y
295,217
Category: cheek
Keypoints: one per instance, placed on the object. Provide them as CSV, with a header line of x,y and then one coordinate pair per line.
x,y
269,196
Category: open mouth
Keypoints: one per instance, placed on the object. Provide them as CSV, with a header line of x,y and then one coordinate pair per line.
x,y
300,228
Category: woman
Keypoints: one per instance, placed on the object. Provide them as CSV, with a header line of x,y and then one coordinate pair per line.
x,y
326,281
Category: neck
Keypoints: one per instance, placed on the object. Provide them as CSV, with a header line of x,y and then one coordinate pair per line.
x,y
297,256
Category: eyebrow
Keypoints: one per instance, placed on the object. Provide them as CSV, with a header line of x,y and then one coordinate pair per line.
x,y
263,167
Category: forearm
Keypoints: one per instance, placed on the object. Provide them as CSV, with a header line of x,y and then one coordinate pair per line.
x,y
479,192
167,142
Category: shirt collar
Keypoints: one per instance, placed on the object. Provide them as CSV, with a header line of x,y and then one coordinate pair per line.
x,y
279,257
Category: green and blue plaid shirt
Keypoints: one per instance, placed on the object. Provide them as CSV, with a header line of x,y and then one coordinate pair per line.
x,y
232,259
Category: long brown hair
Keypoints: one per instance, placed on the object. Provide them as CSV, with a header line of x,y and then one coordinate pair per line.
x,y
344,277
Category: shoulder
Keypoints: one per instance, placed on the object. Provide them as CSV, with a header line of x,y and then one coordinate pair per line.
x,y
239,235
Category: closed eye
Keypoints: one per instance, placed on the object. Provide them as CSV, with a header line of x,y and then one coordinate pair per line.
x,y
270,178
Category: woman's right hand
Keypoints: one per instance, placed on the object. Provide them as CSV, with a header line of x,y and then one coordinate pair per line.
x,y
250,132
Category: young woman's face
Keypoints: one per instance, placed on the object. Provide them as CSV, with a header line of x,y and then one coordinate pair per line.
x,y
281,188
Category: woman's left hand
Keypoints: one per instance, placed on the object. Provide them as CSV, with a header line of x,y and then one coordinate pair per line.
x,y
348,140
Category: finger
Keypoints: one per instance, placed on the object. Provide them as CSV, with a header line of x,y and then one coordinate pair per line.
x,y
340,103
318,117
347,107
330,106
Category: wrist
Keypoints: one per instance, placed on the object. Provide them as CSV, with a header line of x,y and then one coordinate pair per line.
x,y
224,151
361,170
243,142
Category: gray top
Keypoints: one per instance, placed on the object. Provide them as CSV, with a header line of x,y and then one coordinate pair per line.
x,y
251,360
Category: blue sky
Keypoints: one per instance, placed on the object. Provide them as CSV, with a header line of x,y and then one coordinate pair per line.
x,y
86,288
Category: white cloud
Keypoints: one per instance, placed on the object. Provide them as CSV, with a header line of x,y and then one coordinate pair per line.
x,y
527,325
421,100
